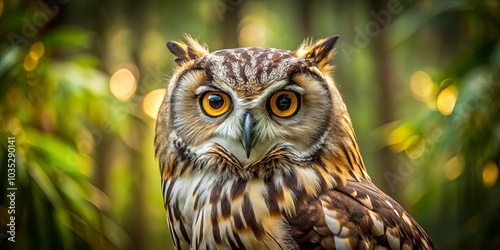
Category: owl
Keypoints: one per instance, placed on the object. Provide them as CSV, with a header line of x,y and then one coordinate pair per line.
x,y
257,151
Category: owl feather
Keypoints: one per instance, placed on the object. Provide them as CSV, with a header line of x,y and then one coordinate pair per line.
x,y
257,151
319,52
187,52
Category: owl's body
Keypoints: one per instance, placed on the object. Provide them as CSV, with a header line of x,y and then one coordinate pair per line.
x,y
257,151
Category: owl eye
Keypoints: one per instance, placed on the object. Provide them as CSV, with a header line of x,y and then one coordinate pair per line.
x,y
215,103
284,103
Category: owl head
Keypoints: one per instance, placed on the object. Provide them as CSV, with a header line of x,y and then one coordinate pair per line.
x,y
249,111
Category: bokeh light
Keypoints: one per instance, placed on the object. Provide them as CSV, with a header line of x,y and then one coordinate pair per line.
x,y
31,59
123,84
490,174
253,32
37,50
414,147
446,100
14,126
152,102
421,84
397,138
453,168
29,63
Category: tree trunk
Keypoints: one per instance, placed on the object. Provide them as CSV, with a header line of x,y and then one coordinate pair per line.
x,y
384,80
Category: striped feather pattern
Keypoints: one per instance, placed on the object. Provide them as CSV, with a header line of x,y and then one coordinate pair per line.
x,y
306,186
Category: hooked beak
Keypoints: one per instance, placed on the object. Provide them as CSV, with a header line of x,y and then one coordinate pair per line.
x,y
248,134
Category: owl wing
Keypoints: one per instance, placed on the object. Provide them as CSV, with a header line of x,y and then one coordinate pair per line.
x,y
357,216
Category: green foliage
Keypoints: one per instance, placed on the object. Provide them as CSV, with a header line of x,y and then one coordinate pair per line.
x,y
50,109
459,148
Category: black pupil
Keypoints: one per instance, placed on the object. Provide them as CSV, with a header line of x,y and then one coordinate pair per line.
x,y
215,101
283,102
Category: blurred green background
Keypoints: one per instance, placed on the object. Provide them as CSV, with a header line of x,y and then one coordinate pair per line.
x,y
81,81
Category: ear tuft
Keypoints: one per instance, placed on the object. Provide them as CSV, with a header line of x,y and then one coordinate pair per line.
x,y
186,52
319,53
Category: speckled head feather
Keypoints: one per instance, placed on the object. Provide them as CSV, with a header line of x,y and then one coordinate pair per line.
x,y
257,151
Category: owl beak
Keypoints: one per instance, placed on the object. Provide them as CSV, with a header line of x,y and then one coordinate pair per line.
x,y
248,134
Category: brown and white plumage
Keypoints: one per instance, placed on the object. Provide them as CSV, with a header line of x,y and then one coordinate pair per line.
x,y
257,151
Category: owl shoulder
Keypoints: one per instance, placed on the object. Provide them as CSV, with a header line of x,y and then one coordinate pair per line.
x,y
356,216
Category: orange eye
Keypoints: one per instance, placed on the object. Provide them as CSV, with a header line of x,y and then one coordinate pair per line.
x,y
215,103
284,103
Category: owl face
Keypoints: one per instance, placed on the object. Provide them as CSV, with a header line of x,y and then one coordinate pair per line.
x,y
247,104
